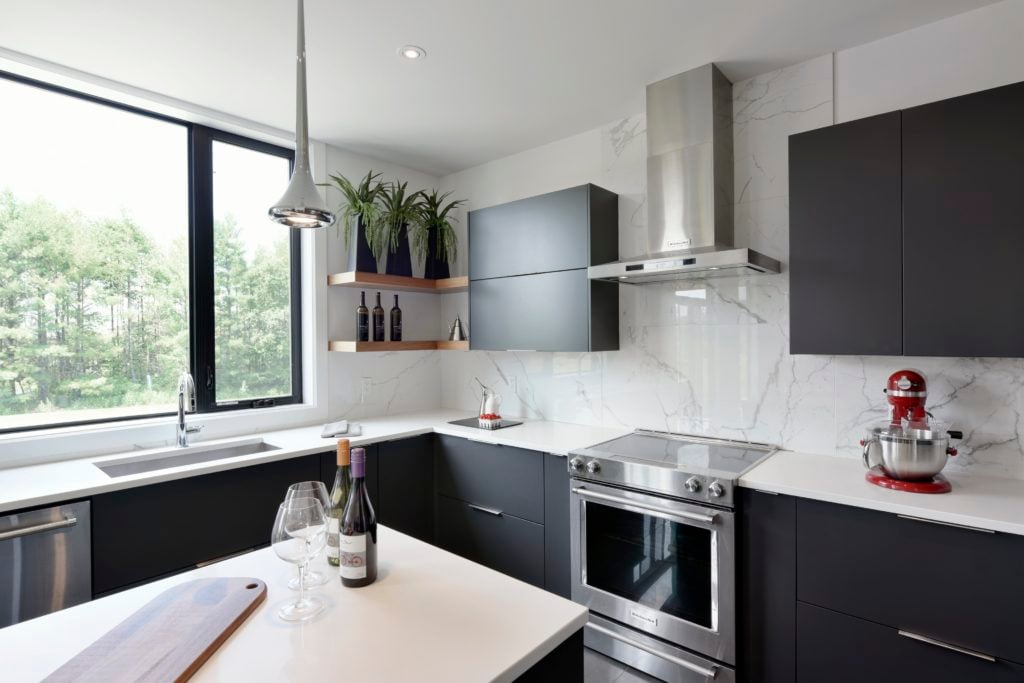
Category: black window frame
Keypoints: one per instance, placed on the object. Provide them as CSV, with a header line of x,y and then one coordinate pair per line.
x,y
202,342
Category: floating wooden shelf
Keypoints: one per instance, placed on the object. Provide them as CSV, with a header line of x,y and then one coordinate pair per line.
x,y
354,278
364,347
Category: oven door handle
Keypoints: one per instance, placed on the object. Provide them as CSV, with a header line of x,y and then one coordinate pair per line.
x,y
681,515
705,671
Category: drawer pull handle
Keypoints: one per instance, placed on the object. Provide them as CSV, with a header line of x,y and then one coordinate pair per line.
x,y
490,511
38,528
955,526
946,646
706,672
668,512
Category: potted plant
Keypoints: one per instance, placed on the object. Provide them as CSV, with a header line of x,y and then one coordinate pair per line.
x,y
434,237
359,209
398,210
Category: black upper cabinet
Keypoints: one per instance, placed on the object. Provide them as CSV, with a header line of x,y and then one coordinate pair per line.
x,y
845,244
528,273
563,230
963,229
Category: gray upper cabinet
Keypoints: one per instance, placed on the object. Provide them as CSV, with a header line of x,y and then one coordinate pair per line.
x,y
563,230
528,285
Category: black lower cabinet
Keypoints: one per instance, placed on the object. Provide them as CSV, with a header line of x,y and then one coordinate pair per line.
x,y
492,538
766,587
557,548
563,664
406,486
146,532
838,648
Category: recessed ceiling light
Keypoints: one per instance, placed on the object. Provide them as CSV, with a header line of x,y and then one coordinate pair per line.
x,y
412,52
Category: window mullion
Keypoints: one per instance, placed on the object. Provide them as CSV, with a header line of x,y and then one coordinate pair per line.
x,y
201,262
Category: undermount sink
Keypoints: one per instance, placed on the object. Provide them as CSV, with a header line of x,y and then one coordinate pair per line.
x,y
178,457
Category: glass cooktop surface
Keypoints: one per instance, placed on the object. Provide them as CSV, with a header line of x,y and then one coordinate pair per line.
x,y
678,452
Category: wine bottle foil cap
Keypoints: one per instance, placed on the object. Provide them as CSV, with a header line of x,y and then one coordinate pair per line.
x,y
358,462
344,458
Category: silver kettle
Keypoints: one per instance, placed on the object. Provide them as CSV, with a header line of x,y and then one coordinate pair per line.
x,y
455,332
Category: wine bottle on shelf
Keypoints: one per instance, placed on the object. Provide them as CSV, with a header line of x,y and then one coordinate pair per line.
x,y
362,319
378,321
339,496
357,539
396,321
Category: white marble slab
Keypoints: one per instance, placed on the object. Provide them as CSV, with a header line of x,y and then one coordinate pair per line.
x,y
430,616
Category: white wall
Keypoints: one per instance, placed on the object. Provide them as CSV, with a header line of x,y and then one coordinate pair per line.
x,y
712,357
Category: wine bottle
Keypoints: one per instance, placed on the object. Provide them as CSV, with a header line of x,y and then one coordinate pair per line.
x,y
339,496
396,321
362,319
378,321
357,539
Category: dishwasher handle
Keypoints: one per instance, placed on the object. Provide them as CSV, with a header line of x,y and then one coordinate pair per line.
x,y
38,528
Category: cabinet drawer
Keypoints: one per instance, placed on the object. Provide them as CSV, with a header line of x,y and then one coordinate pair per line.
x,y
502,542
142,533
837,648
572,228
499,477
957,585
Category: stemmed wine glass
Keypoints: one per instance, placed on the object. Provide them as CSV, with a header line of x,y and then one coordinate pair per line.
x,y
300,532
317,491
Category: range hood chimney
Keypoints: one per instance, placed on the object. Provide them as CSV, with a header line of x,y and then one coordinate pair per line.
x,y
689,186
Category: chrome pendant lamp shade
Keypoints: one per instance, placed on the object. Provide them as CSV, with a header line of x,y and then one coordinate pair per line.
x,y
301,206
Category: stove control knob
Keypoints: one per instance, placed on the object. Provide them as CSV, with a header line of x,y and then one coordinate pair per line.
x,y
576,464
715,490
593,466
692,485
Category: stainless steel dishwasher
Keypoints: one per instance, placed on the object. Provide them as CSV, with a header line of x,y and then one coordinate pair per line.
x,y
45,561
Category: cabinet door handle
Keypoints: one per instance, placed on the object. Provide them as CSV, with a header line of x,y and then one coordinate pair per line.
x,y
955,526
490,511
489,443
706,672
38,528
946,646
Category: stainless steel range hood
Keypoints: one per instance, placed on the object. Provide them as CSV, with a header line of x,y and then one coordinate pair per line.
x,y
689,186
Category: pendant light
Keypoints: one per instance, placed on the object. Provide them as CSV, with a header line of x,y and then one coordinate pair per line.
x,y
301,206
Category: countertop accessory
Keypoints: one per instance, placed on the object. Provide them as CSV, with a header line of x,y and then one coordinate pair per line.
x,y
937,484
170,637
301,206
474,422
455,332
318,491
300,532
341,428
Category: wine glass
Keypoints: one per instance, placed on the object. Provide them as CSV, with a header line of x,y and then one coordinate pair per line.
x,y
300,532
316,490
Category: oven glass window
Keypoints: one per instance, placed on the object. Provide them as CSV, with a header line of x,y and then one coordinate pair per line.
x,y
655,562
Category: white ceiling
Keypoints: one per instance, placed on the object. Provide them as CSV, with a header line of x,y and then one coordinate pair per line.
x,y
500,75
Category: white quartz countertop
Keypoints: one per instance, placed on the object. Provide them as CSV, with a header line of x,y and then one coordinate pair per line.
x,y
430,616
977,501
31,485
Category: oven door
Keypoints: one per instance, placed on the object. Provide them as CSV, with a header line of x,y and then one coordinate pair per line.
x,y
656,564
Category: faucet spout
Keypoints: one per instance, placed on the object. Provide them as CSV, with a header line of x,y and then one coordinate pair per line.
x,y
186,404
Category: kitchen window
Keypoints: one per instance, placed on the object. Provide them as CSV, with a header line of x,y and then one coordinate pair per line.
x,y
134,246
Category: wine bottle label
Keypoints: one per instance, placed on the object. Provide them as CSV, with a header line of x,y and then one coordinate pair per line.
x,y
332,538
352,556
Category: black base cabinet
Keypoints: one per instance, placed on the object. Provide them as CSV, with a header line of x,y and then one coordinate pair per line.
x,y
143,533
557,548
406,486
838,648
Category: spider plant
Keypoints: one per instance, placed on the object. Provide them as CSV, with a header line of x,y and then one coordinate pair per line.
x,y
434,215
397,208
359,202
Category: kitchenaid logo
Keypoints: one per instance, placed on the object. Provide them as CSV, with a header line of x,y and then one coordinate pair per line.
x,y
643,617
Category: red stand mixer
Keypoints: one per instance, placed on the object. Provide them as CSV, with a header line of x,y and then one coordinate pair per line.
x,y
908,452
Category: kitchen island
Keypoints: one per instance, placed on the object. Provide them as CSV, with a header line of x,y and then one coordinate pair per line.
x,y
430,616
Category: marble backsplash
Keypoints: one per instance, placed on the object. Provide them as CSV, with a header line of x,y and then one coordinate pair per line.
x,y
711,357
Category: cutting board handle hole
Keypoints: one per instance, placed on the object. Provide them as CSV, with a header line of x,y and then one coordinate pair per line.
x,y
253,585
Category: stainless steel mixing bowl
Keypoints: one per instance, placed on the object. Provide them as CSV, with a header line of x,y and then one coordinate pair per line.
x,y
907,454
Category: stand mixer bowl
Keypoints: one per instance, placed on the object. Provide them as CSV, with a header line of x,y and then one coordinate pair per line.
x,y
907,454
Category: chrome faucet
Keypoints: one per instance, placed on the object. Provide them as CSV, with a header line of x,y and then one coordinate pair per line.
x,y
186,404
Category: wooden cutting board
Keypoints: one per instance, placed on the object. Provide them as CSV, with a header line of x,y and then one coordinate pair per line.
x,y
171,636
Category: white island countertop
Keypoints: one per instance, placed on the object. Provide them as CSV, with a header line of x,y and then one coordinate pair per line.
x,y
983,502
30,485
430,616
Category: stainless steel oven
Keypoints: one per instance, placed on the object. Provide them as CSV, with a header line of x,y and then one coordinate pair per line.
x,y
653,550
